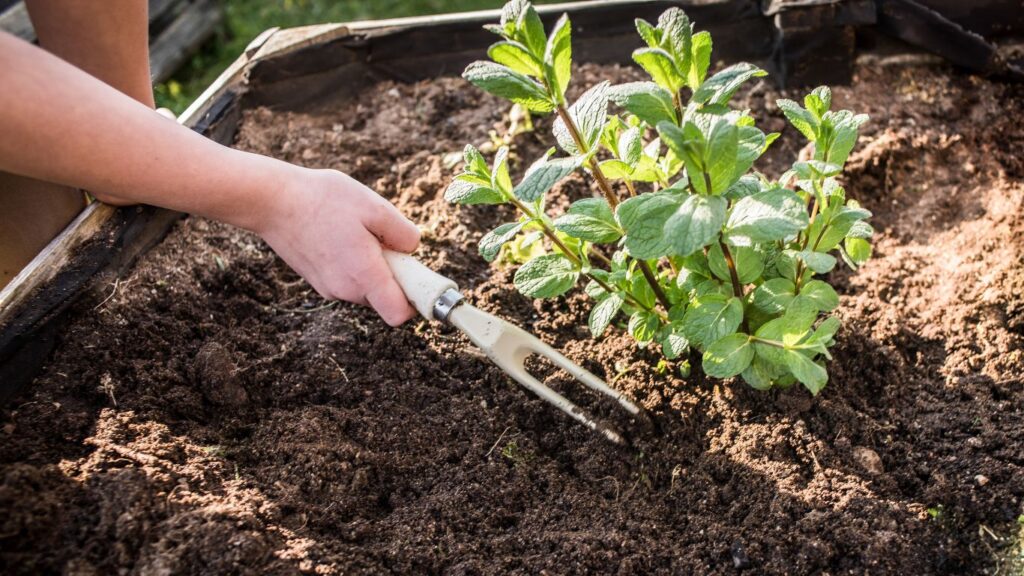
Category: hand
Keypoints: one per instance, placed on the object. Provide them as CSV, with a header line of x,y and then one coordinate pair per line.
x,y
332,230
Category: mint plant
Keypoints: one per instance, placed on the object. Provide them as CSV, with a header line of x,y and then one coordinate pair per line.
x,y
686,245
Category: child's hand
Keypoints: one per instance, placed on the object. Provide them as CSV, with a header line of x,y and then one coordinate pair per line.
x,y
331,229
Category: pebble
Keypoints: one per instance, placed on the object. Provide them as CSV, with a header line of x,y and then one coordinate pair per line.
x,y
981,479
868,459
740,559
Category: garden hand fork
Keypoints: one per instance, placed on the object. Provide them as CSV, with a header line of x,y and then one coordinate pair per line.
x,y
436,297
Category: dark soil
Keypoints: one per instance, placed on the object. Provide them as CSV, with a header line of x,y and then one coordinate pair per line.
x,y
210,414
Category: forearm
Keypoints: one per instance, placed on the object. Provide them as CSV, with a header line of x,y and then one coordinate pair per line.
x,y
62,125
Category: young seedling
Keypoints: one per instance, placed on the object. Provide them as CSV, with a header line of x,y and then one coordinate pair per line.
x,y
685,243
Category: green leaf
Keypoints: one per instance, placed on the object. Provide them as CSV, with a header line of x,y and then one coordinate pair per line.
x,y
643,326
800,118
589,114
774,214
648,32
711,318
720,87
542,176
616,169
696,222
532,31
506,83
475,163
749,263
821,294
643,218
774,295
590,219
858,249
818,262
845,126
603,313
645,100
676,36
811,374
673,342
720,156
658,63
492,242
728,356
510,14
546,276
558,57
472,191
819,101
500,179
631,145
700,61
515,56
761,374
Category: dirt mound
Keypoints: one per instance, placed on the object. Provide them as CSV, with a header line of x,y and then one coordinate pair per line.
x,y
211,414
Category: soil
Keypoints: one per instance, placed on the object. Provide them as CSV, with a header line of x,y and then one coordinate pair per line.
x,y
208,413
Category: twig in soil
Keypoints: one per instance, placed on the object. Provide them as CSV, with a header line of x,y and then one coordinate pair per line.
x,y
134,455
118,286
340,369
498,441
330,304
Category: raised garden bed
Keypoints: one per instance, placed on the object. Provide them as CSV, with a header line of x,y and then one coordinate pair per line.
x,y
208,413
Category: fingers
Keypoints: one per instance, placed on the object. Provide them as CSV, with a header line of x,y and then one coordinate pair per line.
x,y
385,296
392,229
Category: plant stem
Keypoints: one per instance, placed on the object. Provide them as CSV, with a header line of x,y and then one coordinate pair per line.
x,y
575,259
611,197
737,288
629,186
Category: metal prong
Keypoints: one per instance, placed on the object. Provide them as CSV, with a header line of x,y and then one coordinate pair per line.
x,y
509,346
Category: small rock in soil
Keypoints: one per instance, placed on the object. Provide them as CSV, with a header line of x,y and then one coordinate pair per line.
x,y
868,460
739,556
217,376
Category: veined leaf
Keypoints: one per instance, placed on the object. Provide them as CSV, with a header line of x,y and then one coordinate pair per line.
x,y
466,191
546,276
542,176
659,64
720,87
821,294
532,29
558,57
589,114
711,318
590,219
643,218
603,313
728,356
646,100
517,57
676,34
643,326
700,60
649,33
631,145
774,214
492,242
773,296
506,83
696,222
800,118
811,374
749,263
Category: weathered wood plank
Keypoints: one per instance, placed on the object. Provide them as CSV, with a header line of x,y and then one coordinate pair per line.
x,y
183,37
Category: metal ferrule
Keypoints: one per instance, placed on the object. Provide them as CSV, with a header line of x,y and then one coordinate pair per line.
x,y
444,305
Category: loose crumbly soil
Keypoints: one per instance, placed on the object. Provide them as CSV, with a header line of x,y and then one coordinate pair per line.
x,y
210,414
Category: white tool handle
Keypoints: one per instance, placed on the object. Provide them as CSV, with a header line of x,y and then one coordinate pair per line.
x,y
422,286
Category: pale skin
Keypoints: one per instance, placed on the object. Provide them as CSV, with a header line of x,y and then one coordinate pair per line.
x,y
87,121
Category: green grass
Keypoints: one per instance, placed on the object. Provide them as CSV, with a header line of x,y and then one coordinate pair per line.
x,y
245,19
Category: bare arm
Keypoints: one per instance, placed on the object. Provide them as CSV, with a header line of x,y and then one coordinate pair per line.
x,y
62,125
108,40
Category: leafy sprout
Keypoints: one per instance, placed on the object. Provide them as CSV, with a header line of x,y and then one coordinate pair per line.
x,y
686,246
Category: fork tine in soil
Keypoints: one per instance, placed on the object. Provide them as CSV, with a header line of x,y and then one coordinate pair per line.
x,y
436,297
509,346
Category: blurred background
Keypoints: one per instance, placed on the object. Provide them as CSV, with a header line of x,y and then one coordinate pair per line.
x,y
245,19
